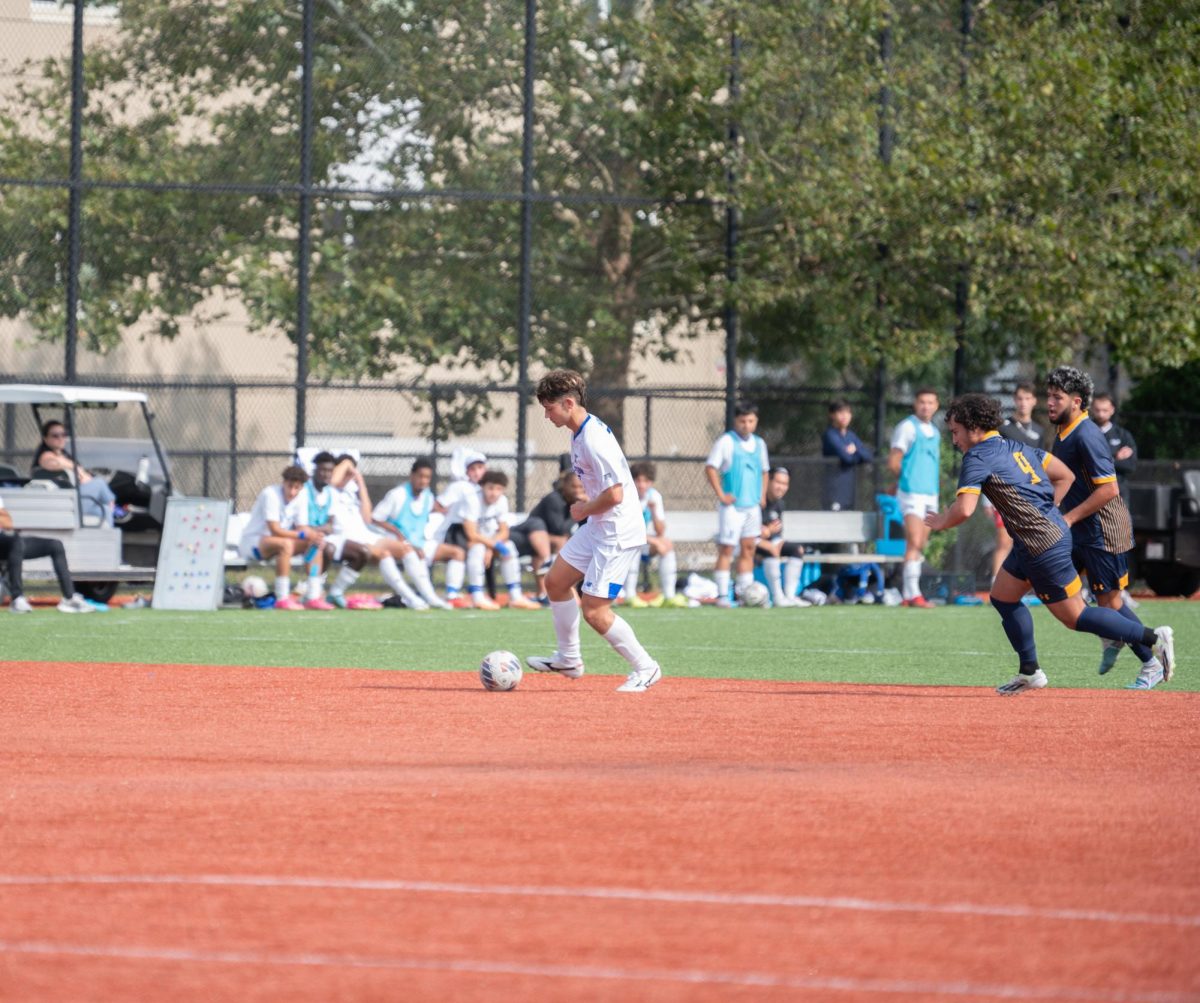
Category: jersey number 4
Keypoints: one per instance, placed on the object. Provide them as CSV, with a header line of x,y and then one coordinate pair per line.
x,y
1027,467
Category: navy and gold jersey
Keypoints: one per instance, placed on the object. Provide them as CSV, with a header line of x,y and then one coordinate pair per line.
x,y
1013,478
1084,449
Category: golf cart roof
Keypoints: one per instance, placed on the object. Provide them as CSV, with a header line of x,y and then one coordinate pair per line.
x,y
28,393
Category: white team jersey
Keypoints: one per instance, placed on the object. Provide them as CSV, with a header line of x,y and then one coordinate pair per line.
x,y
461,500
488,520
270,506
346,513
653,510
721,455
599,464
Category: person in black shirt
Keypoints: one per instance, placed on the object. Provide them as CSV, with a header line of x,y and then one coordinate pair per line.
x,y
1120,441
772,548
547,527
841,443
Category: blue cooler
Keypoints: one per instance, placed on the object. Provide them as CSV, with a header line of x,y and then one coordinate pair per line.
x,y
891,526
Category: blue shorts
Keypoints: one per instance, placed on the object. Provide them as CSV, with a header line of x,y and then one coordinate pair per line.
x,y
1052,573
1106,572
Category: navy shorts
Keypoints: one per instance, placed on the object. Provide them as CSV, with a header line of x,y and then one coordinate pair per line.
x,y
1106,572
1052,573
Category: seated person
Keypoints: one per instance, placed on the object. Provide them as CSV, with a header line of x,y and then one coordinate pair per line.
x,y
486,529
16,548
278,529
859,583
52,457
404,514
449,543
772,548
657,544
547,527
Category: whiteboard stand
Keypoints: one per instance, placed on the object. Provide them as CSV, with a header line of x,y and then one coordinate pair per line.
x,y
191,566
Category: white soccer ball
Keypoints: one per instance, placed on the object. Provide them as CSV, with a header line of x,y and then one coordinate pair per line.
x,y
501,670
254,586
755,594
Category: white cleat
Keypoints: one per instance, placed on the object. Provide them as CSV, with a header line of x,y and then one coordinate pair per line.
x,y
1151,675
640,680
554,665
1164,651
1020,683
76,604
20,605
1109,650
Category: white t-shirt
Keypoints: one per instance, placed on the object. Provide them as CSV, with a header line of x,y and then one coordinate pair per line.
x,y
653,510
461,500
905,434
269,507
394,503
489,517
599,464
346,512
721,456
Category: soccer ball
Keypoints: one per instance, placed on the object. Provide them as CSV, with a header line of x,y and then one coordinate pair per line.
x,y
254,586
501,670
755,594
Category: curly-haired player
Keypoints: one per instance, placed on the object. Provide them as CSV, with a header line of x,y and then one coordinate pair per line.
x,y
1026,484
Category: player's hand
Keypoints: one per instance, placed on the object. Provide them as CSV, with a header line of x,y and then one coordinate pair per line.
x,y
579,511
1124,453
934,520
726,498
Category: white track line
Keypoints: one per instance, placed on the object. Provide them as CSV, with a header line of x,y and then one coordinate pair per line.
x,y
612,894
474,966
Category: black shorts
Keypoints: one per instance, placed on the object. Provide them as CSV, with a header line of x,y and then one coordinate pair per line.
x,y
519,535
789,550
456,536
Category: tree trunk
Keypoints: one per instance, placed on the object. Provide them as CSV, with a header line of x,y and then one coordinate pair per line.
x,y
610,364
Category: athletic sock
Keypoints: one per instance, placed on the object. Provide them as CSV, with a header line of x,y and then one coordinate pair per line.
x,y
791,576
625,643
912,579
475,566
395,581
456,571
345,578
566,629
774,576
510,571
1018,626
1109,623
283,587
722,580
742,581
668,571
1141,650
418,571
631,585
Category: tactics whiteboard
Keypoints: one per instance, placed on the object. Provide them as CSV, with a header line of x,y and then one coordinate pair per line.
x,y
191,566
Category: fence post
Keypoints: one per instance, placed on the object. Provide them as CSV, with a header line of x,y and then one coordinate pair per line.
x,y
731,232
75,203
233,441
304,237
525,304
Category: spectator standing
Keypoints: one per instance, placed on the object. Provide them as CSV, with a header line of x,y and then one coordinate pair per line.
x,y
840,442
1120,440
915,460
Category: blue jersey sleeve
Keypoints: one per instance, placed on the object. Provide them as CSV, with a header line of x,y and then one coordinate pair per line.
x,y
1096,454
973,473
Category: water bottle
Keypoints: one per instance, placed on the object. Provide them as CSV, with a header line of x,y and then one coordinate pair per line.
x,y
143,471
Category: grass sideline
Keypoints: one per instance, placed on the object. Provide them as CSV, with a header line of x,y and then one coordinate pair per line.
x,y
949,646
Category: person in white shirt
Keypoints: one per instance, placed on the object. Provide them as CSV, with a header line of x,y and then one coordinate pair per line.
x,y
486,529
449,541
600,554
404,514
278,529
657,543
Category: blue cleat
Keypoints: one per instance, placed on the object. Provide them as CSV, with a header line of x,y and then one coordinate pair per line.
x,y
1108,655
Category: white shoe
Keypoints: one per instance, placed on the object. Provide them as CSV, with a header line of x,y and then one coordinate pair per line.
x,y
436,603
20,605
1151,675
725,603
1020,683
782,600
554,665
76,604
1164,651
1108,654
416,603
640,680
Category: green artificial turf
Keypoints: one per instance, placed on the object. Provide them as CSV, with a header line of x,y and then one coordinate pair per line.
x,y
946,646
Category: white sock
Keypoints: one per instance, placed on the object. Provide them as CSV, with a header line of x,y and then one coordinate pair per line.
x,y
774,577
510,569
912,579
283,585
743,580
391,574
455,573
631,584
722,580
475,567
418,571
668,570
791,576
345,578
316,585
566,629
625,643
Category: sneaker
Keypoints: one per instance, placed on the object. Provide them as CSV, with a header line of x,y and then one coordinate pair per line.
x,y
416,603
553,665
677,601
658,602
543,601
920,602
782,601
640,680
484,602
459,602
338,599
725,603
20,605
520,602
1150,676
1108,654
287,602
1164,651
363,602
1020,683
433,602
635,601
76,604
318,604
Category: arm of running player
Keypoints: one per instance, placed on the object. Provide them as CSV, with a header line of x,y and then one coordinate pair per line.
x,y
610,497
1060,476
714,480
962,510
1101,495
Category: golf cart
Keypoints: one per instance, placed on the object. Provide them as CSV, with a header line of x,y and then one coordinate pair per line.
x,y
101,557
1166,534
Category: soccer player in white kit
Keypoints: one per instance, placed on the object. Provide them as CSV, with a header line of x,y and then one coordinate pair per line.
x,y
603,550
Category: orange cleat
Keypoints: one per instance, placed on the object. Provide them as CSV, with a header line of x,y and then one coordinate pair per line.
x,y
484,602
920,602
522,603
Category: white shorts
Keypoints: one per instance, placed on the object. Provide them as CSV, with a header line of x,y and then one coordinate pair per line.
x,y
918,505
605,566
337,541
734,524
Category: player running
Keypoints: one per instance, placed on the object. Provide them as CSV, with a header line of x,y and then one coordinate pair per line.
x,y
1026,484
603,550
